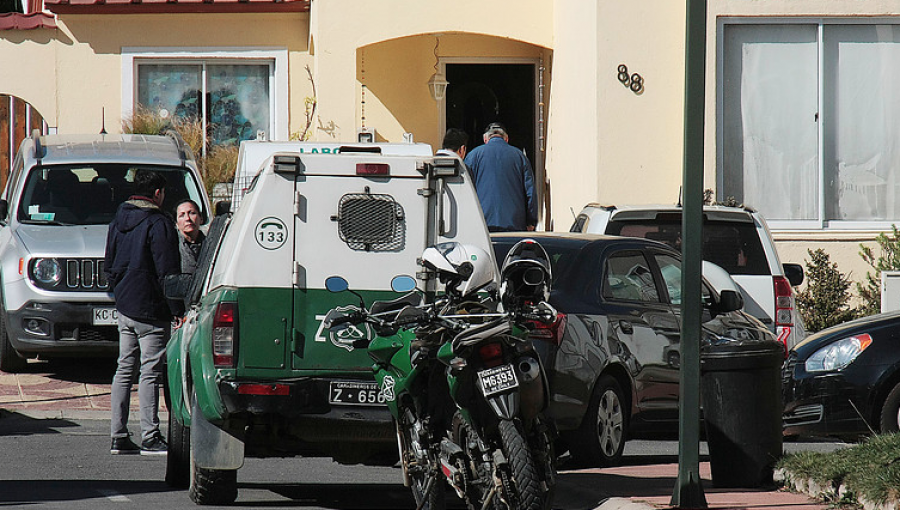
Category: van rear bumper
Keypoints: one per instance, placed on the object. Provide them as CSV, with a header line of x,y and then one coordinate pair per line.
x,y
292,398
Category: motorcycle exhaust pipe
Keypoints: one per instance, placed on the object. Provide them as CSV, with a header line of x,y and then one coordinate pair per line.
x,y
529,369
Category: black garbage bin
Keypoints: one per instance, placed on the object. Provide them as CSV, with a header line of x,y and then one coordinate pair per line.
x,y
741,399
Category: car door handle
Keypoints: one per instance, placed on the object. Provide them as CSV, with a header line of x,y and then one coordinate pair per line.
x,y
626,327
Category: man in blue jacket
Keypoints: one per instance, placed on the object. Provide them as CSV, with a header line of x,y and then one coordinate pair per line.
x,y
141,250
504,181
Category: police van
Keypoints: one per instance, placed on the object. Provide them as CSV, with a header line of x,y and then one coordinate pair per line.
x,y
253,371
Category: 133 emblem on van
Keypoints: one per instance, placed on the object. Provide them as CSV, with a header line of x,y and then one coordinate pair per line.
x,y
345,337
271,233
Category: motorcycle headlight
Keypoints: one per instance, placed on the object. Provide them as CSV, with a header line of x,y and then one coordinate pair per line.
x,y
47,271
837,355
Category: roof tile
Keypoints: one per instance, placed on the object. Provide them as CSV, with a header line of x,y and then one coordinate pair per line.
x,y
19,21
173,6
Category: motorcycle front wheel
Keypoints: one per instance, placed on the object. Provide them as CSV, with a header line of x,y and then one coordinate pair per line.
x,y
419,466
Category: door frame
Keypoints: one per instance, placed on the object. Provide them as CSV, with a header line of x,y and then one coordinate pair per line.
x,y
539,171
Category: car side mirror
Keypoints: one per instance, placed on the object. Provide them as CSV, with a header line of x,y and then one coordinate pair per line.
x,y
729,301
4,210
177,286
793,273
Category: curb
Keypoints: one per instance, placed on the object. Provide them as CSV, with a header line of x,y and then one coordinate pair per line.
x,y
830,492
624,504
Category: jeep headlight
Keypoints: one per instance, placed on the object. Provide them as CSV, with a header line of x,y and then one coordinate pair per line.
x,y
837,355
47,271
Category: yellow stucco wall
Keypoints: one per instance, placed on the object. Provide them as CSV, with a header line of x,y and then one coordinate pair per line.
x,y
71,74
340,27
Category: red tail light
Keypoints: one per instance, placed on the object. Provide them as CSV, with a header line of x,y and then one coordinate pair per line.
x,y
224,335
552,333
264,389
491,354
373,169
784,310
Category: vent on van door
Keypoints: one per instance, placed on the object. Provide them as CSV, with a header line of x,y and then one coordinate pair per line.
x,y
371,222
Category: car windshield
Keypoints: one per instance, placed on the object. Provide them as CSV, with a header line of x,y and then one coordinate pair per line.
x,y
734,246
90,194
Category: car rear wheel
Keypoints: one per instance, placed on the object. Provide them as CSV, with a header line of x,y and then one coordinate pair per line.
x,y
601,438
178,460
10,361
890,412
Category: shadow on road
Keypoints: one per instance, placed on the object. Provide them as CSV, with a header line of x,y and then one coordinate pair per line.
x,y
13,423
77,370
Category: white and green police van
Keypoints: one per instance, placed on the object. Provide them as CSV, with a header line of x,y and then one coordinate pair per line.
x,y
252,371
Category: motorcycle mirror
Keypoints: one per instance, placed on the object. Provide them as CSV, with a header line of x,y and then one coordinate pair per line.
x,y
402,283
336,284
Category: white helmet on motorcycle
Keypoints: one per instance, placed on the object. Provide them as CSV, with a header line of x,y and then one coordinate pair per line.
x,y
525,275
463,268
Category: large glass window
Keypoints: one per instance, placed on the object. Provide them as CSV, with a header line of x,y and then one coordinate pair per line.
x,y
232,99
811,123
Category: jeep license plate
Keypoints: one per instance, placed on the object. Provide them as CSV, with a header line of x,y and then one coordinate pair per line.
x,y
497,379
355,393
105,317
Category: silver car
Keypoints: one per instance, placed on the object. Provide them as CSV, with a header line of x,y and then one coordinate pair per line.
x,y
61,195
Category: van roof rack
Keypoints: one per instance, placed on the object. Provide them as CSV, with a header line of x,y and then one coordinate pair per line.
x,y
38,147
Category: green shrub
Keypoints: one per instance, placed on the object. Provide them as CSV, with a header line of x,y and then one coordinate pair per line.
x,y
887,260
825,300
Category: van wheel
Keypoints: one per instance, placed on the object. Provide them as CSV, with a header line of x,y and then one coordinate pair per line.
x,y
10,361
178,460
209,486
890,412
600,440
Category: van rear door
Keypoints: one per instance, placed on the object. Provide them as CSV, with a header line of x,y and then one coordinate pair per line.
x,y
361,216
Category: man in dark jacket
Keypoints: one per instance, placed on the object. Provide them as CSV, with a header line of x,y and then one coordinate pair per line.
x,y
141,250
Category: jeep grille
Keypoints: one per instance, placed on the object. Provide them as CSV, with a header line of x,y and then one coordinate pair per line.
x,y
84,274
371,222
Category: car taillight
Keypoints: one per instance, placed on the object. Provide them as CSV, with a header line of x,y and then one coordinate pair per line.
x,y
224,335
373,169
552,333
784,310
491,354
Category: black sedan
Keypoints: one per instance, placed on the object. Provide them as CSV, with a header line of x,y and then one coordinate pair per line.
x,y
613,357
844,381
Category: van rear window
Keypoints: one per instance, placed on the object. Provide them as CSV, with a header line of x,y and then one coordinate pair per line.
x,y
734,246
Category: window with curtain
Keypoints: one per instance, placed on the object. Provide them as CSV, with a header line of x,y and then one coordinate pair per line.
x,y
779,83
232,99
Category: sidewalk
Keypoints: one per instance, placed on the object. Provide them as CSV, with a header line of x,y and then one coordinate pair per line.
x,y
650,486
80,390
71,389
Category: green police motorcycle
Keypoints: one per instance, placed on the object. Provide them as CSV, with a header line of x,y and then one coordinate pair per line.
x,y
462,380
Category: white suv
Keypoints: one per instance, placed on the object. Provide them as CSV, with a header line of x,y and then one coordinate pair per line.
x,y
54,215
737,239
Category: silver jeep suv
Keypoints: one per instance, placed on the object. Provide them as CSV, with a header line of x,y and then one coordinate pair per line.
x,y
735,238
60,197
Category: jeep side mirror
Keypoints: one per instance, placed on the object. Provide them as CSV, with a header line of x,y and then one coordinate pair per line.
x,y
793,273
4,210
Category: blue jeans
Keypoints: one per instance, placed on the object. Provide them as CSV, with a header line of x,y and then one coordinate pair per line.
x,y
142,350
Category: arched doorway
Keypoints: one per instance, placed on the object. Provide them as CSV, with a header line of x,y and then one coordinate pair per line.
x,y
17,120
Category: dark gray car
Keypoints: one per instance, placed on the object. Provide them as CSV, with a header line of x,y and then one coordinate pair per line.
x,y
613,355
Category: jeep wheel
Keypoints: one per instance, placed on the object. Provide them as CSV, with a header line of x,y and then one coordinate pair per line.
x,y
178,460
210,486
10,361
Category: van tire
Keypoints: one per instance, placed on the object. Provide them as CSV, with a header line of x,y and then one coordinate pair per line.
x,y
178,460
210,486
10,360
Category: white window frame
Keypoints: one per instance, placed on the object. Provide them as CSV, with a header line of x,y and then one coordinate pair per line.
x,y
278,76
822,223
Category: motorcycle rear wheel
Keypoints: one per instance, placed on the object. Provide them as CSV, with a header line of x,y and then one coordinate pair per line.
x,y
526,493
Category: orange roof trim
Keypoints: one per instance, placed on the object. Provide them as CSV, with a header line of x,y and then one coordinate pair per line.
x,y
19,21
173,6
